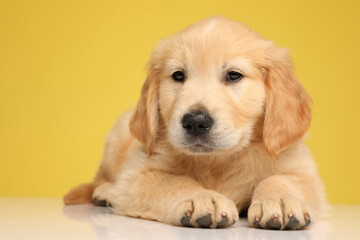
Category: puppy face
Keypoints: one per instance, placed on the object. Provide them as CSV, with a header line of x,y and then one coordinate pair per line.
x,y
210,94
210,84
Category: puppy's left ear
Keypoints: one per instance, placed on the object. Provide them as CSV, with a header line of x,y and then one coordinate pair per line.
x,y
145,120
287,109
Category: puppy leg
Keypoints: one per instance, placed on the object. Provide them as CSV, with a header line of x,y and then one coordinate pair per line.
x,y
171,199
284,202
117,143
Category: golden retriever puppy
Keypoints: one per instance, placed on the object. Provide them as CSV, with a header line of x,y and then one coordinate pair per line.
x,y
219,128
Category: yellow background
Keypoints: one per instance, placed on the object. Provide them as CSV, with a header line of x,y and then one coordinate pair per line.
x,y
69,68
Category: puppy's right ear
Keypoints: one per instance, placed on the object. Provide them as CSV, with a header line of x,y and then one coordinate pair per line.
x,y
145,120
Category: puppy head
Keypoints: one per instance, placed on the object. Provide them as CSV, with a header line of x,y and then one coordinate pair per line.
x,y
211,84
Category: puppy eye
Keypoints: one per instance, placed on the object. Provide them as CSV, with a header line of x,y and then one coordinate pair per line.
x,y
178,76
233,76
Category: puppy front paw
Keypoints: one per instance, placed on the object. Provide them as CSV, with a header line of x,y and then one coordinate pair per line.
x,y
101,194
279,213
207,209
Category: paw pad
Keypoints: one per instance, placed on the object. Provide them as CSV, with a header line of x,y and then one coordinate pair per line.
x,y
223,222
273,223
99,202
257,224
307,220
293,222
185,220
204,221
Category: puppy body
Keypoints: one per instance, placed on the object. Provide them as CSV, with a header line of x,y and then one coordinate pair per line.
x,y
252,155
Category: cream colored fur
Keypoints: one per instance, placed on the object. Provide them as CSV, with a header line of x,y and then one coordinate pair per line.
x,y
257,159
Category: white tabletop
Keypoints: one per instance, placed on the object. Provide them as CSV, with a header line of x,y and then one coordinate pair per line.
x,y
44,218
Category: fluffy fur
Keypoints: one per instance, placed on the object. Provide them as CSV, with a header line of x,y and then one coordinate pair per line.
x,y
254,156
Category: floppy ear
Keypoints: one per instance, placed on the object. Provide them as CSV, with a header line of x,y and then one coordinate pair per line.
x,y
287,108
144,122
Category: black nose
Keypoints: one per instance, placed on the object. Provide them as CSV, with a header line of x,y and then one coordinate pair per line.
x,y
197,123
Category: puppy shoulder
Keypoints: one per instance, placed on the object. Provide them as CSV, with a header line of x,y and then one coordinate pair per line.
x,y
297,157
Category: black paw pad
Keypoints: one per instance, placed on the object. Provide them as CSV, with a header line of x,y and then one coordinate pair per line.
x,y
293,222
185,220
99,202
223,222
204,221
307,220
257,224
273,224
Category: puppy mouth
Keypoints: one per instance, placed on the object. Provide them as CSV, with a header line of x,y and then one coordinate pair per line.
x,y
200,144
200,148
210,143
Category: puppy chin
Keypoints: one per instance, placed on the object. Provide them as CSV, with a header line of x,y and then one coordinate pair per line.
x,y
194,149
200,149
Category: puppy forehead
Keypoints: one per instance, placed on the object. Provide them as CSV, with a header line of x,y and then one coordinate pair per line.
x,y
213,43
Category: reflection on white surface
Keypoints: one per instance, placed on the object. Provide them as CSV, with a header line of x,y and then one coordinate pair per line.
x,y
109,226
39,218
